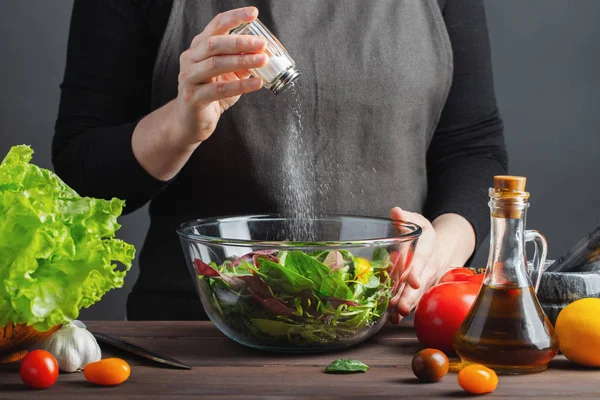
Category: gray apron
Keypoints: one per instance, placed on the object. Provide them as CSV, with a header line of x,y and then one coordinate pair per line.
x,y
375,77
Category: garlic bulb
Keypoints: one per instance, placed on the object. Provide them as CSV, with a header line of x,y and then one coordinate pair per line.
x,y
73,347
79,323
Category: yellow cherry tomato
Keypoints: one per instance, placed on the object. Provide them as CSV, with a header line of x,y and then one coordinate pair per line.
x,y
477,379
107,372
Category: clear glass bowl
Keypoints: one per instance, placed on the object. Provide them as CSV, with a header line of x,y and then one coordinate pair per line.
x,y
328,288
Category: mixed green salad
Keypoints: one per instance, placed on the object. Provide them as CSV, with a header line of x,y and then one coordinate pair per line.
x,y
57,249
299,298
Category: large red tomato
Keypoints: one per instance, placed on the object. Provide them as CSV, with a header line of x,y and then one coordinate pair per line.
x,y
441,311
462,274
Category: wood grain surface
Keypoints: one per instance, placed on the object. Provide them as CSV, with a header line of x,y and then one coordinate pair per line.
x,y
223,369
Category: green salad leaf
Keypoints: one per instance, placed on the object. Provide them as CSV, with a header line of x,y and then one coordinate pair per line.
x,y
271,327
56,248
381,259
327,282
283,279
343,366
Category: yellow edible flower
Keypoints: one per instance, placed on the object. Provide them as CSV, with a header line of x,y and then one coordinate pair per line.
x,y
363,270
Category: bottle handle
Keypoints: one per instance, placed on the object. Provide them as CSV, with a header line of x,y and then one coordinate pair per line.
x,y
539,256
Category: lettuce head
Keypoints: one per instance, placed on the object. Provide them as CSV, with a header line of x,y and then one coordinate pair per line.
x,y
57,249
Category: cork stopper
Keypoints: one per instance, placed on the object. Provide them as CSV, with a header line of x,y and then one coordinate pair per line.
x,y
509,196
508,182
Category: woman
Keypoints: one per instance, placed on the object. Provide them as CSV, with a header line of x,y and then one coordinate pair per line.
x,y
397,104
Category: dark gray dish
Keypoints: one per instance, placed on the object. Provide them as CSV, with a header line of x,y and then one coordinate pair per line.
x,y
574,276
558,289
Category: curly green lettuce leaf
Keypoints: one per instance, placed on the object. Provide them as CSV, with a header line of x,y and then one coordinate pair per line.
x,y
57,249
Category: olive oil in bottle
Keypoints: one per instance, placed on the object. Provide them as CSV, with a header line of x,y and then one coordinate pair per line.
x,y
510,333
506,329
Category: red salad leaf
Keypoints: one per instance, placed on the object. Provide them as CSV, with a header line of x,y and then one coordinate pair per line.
x,y
236,282
336,303
256,259
257,286
253,283
273,305
204,269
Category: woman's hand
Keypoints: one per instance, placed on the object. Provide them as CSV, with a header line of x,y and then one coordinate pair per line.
x,y
213,74
447,242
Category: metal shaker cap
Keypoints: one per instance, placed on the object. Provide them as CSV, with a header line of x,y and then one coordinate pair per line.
x,y
285,81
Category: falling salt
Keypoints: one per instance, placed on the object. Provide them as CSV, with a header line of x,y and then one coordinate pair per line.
x,y
299,196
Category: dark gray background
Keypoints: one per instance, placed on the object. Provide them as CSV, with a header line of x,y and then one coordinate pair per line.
x,y
546,64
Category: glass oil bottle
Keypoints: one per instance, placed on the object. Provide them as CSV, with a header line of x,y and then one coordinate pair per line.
x,y
506,329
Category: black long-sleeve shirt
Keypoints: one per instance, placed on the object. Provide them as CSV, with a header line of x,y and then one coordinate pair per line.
x,y
112,48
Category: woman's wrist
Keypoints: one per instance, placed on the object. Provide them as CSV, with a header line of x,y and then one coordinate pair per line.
x,y
158,146
456,238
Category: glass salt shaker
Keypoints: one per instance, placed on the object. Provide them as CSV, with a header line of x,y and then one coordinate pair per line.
x,y
280,73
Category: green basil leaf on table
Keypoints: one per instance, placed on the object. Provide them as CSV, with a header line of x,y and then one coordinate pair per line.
x,y
344,366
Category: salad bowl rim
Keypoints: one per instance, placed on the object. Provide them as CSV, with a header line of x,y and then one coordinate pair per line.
x,y
413,234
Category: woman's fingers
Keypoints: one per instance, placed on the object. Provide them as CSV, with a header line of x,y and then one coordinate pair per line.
x,y
215,68
228,20
226,45
408,299
204,71
399,214
410,295
423,250
415,283
214,53
396,214
422,267
243,74
414,277
222,90
405,298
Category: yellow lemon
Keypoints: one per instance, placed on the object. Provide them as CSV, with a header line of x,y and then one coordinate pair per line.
x,y
578,330
363,269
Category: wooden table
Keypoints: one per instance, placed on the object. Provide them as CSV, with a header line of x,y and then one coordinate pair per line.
x,y
225,370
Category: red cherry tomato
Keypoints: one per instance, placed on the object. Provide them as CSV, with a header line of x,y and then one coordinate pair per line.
x,y
462,274
441,311
39,369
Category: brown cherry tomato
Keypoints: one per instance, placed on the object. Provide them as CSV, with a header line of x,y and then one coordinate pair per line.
x,y
477,379
430,365
107,372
